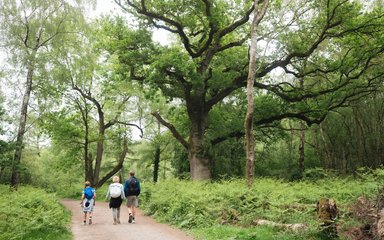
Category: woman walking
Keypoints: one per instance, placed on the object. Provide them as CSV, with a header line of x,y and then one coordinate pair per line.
x,y
115,195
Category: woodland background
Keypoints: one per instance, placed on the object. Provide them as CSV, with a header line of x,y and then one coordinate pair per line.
x,y
88,98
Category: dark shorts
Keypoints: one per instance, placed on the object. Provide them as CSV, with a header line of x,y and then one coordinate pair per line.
x,y
115,202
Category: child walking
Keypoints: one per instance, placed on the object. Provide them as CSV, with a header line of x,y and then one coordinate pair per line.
x,y
115,195
88,199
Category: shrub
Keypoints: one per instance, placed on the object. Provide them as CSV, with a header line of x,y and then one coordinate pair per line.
x,y
31,213
207,205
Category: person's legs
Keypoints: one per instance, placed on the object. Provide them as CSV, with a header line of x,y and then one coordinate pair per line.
x,y
118,215
129,205
85,218
90,217
114,214
133,209
91,204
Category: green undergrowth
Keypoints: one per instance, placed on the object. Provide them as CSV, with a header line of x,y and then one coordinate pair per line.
x,y
228,209
31,213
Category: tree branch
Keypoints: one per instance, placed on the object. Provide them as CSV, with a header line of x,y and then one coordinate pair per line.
x,y
119,165
172,128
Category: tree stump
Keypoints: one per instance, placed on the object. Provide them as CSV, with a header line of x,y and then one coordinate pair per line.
x,y
327,212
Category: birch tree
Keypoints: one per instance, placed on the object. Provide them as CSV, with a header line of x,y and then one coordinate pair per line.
x,y
29,29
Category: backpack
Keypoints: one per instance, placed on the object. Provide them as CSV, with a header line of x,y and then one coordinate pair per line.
x,y
133,187
115,191
88,193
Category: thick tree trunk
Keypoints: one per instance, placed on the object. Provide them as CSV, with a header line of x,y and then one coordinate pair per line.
x,y
15,180
200,164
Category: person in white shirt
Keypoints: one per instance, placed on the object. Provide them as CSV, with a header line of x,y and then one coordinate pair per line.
x,y
115,195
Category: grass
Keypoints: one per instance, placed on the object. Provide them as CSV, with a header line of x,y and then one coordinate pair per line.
x,y
31,213
227,209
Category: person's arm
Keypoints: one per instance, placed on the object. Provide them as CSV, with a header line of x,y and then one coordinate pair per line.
x,y
122,191
94,197
138,187
82,198
108,193
125,187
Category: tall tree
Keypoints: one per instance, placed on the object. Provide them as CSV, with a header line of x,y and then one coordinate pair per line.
x,y
28,29
259,13
339,42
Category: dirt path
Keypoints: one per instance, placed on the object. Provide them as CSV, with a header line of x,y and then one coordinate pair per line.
x,y
145,227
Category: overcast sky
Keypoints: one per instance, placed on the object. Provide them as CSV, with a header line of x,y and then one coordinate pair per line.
x,y
110,7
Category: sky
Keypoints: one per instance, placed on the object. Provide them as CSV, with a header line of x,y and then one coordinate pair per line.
x,y
110,7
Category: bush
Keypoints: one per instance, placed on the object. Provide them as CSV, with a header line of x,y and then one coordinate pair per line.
x,y
31,213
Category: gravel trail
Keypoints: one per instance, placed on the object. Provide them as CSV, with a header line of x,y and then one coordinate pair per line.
x,y
102,228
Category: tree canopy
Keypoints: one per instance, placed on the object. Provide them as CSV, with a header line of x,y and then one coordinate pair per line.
x,y
98,89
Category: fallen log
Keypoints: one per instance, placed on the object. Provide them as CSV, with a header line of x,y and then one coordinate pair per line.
x,y
290,226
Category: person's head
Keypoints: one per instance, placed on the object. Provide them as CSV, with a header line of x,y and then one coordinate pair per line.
x,y
115,179
132,173
87,183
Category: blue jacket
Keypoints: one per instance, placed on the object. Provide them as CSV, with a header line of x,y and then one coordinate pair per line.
x,y
131,192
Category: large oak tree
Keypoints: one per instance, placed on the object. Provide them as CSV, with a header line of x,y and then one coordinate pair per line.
x,y
332,46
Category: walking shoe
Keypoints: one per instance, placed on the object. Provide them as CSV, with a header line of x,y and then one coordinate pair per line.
x,y
130,218
84,222
90,221
133,220
118,221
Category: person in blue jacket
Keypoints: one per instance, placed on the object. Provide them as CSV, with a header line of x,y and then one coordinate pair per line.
x,y
88,200
132,191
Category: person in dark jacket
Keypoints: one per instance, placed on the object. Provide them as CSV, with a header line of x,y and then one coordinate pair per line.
x,y
132,191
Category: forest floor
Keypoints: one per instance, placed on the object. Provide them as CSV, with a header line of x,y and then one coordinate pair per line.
x,y
102,228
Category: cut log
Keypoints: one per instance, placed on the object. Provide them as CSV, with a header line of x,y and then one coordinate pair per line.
x,y
327,212
293,226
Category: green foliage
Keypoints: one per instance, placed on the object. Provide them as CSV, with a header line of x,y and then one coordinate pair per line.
x,y
31,213
6,156
212,209
67,173
255,233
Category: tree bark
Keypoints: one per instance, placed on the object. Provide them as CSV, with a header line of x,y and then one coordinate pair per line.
x,y
156,160
248,122
100,147
88,158
118,166
156,163
199,161
15,179
301,151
